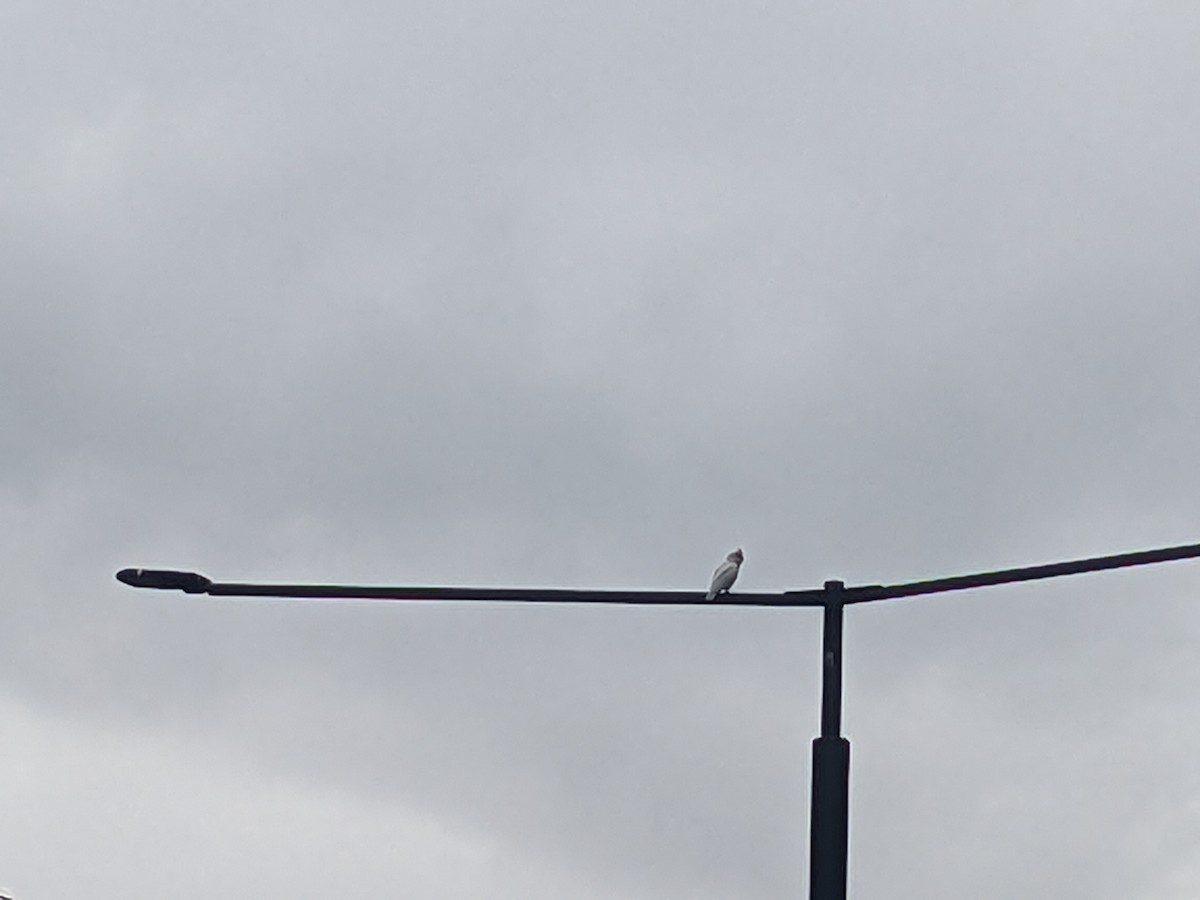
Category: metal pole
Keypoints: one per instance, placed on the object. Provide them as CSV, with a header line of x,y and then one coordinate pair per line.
x,y
831,751
829,824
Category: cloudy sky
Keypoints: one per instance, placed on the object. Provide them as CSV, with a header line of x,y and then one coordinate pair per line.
x,y
585,295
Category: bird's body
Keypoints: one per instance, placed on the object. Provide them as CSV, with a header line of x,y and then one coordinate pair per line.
x,y
726,574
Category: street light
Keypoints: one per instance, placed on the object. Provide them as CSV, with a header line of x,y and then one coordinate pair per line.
x,y
831,751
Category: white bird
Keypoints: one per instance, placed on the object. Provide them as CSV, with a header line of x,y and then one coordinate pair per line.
x,y
726,574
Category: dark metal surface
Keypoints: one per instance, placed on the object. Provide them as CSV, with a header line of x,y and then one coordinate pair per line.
x,y
830,824
1025,573
830,815
831,661
192,582
165,580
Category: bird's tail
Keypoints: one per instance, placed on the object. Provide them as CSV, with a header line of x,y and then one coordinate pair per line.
x,y
710,595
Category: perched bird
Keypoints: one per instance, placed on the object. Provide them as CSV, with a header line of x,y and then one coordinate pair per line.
x,y
726,574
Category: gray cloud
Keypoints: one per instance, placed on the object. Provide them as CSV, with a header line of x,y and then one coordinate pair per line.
x,y
459,293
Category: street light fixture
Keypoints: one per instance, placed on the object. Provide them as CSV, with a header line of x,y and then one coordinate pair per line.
x,y
831,751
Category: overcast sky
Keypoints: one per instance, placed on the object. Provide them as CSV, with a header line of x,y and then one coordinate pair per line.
x,y
586,295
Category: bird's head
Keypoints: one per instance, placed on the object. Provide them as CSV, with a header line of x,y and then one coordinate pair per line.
x,y
736,556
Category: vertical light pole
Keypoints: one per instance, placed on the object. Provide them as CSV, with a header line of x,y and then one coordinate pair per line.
x,y
830,813
829,825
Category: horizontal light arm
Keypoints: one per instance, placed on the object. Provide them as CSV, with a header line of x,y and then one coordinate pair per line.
x,y
1026,573
194,583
